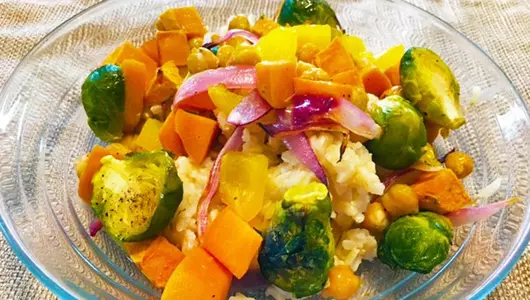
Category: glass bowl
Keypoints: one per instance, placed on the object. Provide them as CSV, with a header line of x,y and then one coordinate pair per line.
x,y
43,129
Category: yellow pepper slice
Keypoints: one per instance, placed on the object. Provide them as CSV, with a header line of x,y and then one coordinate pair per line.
x,y
242,182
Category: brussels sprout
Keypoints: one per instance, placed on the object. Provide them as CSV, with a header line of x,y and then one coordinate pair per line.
x,y
430,85
296,12
103,97
404,133
297,250
135,198
417,242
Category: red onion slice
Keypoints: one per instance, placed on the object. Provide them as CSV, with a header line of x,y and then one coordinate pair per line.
x,y
234,143
94,227
475,214
249,36
301,148
308,108
234,77
355,120
251,108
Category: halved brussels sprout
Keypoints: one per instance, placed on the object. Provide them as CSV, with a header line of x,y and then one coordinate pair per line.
x,y
103,97
137,197
297,250
431,86
404,133
296,12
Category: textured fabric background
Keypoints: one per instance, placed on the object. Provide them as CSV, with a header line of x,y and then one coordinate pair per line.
x,y
499,27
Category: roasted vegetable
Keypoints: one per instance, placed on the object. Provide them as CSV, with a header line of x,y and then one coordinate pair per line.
x,y
232,242
343,283
160,260
376,219
198,276
298,246
296,12
103,96
417,242
404,133
460,163
441,192
430,85
135,198
400,200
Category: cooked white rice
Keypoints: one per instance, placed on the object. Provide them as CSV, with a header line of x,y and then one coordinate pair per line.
x,y
352,179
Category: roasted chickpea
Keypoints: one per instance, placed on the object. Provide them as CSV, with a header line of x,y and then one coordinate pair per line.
x,y
239,22
244,55
301,67
395,90
196,62
400,200
236,41
308,52
315,74
215,37
224,53
343,283
196,42
375,218
460,163
211,59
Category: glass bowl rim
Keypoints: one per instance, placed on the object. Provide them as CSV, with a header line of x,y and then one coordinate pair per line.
x,y
487,286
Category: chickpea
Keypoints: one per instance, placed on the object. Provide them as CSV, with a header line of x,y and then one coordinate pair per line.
x,y
236,41
343,283
308,71
308,52
215,37
196,62
244,55
460,163
301,67
157,111
239,22
315,74
211,59
400,200
196,42
224,53
395,90
375,218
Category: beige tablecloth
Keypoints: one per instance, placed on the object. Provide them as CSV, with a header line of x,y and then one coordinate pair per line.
x,y
500,27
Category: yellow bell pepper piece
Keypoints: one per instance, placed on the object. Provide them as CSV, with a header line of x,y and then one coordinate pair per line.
x,y
224,99
320,35
242,182
353,44
390,57
149,136
279,44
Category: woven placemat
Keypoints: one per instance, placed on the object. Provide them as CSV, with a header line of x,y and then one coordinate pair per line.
x,y
500,27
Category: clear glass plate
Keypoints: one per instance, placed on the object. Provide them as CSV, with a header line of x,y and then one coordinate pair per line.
x,y
43,129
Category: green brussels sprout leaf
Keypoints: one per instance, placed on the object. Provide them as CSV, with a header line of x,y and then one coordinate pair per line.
x,y
404,133
417,242
297,250
432,87
137,197
296,12
103,97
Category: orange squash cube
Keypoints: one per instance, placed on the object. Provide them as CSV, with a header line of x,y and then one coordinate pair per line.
x,y
244,242
199,276
275,81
